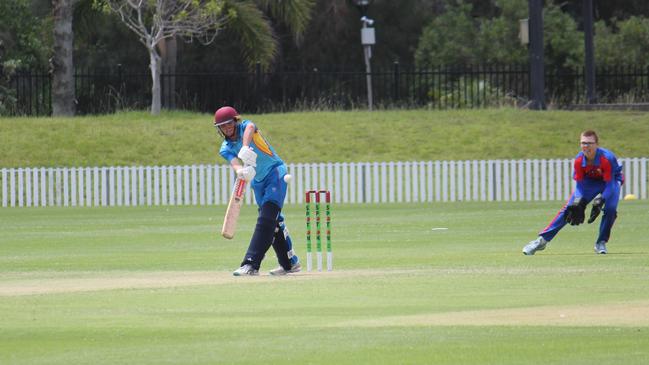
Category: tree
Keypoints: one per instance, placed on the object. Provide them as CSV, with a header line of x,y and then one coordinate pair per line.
x,y
62,62
606,10
497,39
252,23
336,37
564,44
101,41
457,37
250,35
449,38
21,41
21,46
625,43
155,20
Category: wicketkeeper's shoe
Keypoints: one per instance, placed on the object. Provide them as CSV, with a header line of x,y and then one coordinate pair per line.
x,y
536,245
600,247
246,270
278,271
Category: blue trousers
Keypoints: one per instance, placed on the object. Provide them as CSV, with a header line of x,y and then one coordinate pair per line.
x,y
271,229
609,214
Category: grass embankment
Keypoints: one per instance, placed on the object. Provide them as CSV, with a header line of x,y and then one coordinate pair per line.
x,y
183,138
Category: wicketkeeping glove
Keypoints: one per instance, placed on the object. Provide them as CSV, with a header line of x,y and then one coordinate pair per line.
x,y
575,212
248,156
247,173
598,203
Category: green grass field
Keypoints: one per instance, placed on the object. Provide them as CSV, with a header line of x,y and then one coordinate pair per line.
x,y
154,286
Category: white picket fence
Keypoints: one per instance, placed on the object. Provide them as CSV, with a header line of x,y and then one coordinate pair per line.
x,y
364,182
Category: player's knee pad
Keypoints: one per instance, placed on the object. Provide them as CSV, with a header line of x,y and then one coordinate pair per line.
x,y
281,229
281,250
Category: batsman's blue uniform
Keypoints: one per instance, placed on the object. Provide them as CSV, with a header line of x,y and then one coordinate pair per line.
x,y
269,187
269,182
603,176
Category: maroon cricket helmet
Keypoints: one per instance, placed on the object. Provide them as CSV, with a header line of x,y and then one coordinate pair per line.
x,y
224,115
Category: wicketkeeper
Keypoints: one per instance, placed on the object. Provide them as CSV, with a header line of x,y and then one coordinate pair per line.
x,y
599,177
243,143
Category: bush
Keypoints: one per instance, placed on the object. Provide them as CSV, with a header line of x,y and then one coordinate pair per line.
x,y
625,42
7,94
464,93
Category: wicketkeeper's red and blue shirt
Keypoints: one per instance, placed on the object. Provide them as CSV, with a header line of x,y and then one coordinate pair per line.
x,y
603,173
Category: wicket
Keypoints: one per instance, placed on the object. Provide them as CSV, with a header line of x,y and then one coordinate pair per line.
x,y
317,194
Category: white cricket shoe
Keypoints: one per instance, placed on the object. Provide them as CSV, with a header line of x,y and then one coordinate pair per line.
x,y
278,271
246,270
536,245
600,248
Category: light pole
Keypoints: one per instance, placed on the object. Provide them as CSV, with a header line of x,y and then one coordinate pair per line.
x,y
591,97
368,39
537,69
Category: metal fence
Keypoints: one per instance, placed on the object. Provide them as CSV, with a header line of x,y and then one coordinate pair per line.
x,y
104,91
363,182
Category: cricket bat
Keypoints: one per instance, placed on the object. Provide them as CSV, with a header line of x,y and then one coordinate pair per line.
x,y
234,207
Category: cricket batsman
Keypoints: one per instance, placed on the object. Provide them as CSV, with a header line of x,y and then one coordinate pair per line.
x,y
243,143
599,178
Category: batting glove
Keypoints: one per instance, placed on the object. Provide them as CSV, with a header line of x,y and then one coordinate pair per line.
x,y
575,212
598,203
247,173
248,156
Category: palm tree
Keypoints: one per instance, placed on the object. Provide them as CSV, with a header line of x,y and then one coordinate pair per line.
x,y
249,21
256,37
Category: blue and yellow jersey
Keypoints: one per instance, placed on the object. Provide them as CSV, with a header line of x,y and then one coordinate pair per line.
x,y
267,159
